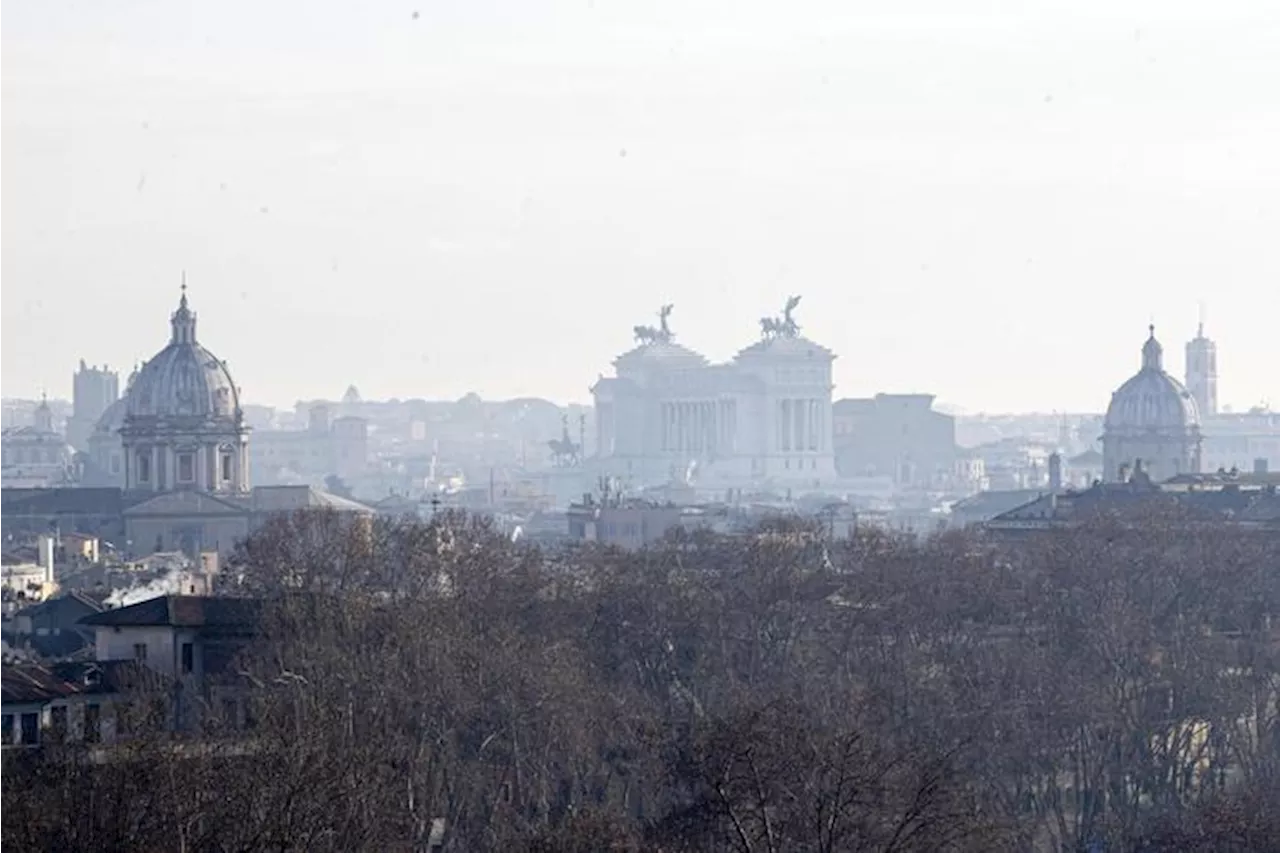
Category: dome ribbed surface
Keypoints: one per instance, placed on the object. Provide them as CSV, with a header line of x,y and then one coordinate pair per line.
x,y
183,380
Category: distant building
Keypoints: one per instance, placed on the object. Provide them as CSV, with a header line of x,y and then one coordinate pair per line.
x,y
183,426
630,526
95,389
668,414
171,462
1152,420
895,435
29,574
104,464
1247,501
1202,373
36,455
338,446
50,630
1239,439
178,649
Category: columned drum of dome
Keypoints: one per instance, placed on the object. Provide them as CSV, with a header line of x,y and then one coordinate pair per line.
x,y
1153,421
183,426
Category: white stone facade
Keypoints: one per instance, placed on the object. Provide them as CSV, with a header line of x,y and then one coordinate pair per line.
x,y
762,419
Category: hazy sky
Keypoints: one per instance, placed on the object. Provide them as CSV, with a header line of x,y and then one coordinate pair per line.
x,y
984,200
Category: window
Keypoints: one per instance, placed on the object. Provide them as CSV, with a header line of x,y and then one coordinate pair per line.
x,y
188,657
30,734
186,467
226,467
92,723
115,463
144,467
58,721
140,651
6,736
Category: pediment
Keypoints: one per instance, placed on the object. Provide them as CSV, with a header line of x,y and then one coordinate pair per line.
x,y
186,503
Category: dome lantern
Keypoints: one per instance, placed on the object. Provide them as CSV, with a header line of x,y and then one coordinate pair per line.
x,y
183,320
1152,352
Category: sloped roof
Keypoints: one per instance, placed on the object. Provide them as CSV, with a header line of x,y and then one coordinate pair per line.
x,y
68,501
187,503
182,611
35,611
32,683
993,503
293,498
1089,457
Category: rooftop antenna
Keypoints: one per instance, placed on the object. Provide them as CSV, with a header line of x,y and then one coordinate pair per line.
x,y
1200,314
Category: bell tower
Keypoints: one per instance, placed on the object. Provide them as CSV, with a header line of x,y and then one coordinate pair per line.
x,y
1202,371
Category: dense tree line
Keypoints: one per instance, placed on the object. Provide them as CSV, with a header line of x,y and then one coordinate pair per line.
x,y
1109,687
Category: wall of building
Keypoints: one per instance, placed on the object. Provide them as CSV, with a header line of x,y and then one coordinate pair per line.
x,y
94,390
187,534
895,435
163,648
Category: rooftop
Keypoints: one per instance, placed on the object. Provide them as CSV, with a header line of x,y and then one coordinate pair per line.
x,y
182,611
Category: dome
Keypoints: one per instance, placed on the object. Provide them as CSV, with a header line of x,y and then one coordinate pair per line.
x,y
112,418
184,379
1152,400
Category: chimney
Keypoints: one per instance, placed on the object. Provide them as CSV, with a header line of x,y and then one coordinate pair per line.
x,y
1260,465
44,555
1055,472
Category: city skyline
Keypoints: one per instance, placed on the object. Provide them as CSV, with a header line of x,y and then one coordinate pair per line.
x,y
942,403
1176,366
489,199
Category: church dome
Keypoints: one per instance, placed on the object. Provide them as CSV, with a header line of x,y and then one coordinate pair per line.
x,y
184,379
112,418
1152,400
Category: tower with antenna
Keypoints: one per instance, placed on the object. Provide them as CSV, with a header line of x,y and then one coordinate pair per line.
x,y
1202,370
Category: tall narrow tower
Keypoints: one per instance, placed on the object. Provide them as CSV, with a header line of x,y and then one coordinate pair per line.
x,y
1202,371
